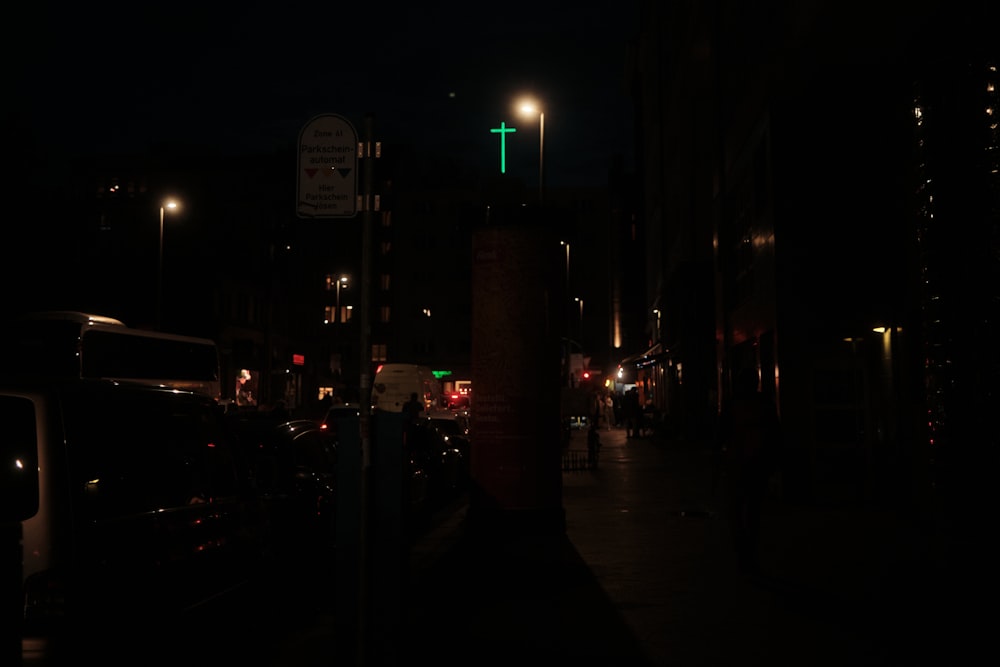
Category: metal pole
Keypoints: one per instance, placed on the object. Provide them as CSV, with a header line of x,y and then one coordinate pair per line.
x,y
541,157
567,329
159,277
365,376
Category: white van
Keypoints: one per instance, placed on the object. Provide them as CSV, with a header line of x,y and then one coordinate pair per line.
x,y
394,383
134,505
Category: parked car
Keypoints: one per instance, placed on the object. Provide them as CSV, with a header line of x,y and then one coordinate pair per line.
x,y
459,401
441,444
337,412
293,464
136,501
453,428
435,466
343,420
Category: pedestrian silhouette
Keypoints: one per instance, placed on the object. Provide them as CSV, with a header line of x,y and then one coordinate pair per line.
x,y
593,444
632,413
750,434
609,411
412,434
412,409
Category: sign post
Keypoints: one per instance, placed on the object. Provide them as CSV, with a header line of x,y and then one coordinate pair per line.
x,y
328,173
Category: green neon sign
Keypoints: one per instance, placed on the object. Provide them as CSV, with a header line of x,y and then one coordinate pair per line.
x,y
440,374
502,131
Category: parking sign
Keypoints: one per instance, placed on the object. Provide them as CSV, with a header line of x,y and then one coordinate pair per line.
x,y
328,168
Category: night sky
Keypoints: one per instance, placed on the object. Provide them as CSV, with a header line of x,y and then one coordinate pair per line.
x,y
235,78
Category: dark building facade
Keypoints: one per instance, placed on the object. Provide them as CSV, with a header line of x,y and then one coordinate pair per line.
x,y
820,197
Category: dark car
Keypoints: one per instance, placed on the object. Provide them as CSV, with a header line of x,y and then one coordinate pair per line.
x,y
459,401
454,430
138,507
337,413
442,446
435,466
294,467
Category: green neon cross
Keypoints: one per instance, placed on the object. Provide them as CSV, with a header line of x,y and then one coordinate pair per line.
x,y
502,131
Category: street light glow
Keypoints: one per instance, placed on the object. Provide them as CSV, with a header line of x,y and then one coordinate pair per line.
x,y
529,107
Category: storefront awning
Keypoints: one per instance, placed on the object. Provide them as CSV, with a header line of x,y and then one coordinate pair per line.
x,y
643,357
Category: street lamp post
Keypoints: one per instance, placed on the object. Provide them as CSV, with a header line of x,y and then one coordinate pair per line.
x,y
529,108
567,322
342,281
580,301
566,243
171,205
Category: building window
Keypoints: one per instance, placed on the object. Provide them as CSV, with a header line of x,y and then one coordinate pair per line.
x,y
330,314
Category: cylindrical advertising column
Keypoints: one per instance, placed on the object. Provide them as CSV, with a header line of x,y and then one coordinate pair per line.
x,y
516,328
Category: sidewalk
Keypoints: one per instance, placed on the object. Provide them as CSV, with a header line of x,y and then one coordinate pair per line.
x,y
644,575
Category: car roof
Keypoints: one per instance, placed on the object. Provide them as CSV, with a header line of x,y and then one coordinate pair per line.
x,y
343,408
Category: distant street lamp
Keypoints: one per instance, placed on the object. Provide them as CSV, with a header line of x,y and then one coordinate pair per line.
x,y
341,281
530,108
171,205
580,301
566,243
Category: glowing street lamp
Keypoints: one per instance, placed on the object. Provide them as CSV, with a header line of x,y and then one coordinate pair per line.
x,y
166,205
530,108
